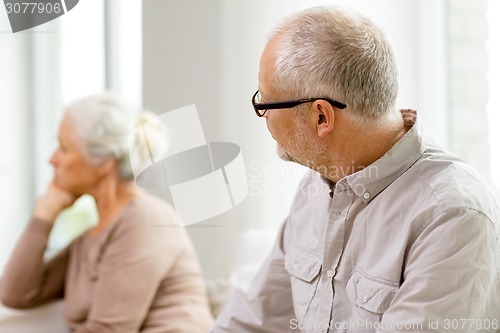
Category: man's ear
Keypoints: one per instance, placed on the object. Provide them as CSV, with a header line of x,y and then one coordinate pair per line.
x,y
324,116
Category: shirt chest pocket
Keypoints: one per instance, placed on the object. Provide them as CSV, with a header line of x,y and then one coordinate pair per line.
x,y
304,268
370,294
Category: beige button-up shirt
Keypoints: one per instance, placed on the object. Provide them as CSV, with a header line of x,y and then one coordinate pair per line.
x,y
410,243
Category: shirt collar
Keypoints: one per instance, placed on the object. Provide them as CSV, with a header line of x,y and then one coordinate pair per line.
x,y
373,179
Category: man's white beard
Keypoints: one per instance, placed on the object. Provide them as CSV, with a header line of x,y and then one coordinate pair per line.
x,y
284,155
301,148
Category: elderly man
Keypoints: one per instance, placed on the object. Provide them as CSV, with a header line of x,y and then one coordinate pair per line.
x,y
388,232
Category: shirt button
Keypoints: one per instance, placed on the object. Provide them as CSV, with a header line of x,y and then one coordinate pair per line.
x,y
329,273
366,195
365,299
295,266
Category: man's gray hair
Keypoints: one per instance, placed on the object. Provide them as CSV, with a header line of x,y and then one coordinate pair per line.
x,y
103,125
337,53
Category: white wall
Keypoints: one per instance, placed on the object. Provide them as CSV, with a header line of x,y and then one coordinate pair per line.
x,y
209,56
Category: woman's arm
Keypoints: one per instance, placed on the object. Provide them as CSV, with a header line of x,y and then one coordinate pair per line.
x,y
28,281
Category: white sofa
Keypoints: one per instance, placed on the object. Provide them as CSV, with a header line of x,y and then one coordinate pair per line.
x,y
45,318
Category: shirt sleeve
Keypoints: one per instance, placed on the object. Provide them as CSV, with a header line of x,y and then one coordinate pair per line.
x,y
28,281
131,268
451,278
267,306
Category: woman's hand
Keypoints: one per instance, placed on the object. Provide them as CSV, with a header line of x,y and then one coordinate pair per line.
x,y
52,202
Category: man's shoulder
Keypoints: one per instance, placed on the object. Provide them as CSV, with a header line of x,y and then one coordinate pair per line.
x,y
452,183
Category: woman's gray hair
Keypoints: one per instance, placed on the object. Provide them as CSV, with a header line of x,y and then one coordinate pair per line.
x,y
337,53
104,125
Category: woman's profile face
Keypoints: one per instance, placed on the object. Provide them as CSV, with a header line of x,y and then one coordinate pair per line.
x,y
72,171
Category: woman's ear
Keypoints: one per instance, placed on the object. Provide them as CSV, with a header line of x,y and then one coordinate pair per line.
x,y
107,167
324,115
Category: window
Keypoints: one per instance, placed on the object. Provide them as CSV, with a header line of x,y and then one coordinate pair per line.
x,y
45,68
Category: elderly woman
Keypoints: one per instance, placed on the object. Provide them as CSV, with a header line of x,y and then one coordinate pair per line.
x,y
135,271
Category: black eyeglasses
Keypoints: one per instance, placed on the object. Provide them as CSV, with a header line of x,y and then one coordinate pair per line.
x,y
261,108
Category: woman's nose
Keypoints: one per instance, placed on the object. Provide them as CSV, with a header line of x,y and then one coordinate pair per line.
x,y
53,158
